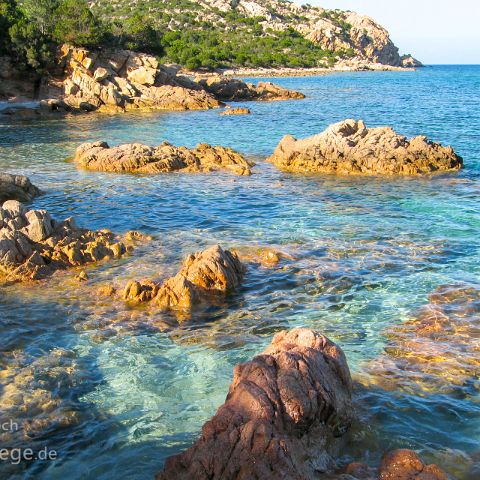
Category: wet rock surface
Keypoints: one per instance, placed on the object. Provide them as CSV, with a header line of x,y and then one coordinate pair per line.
x,y
204,277
16,187
231,89
138,158
33,245
298,389
399,464
350,148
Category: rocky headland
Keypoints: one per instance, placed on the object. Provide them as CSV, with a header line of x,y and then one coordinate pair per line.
x,y
165,158
33,245
205,276
115,80
283,411
350,148
16,187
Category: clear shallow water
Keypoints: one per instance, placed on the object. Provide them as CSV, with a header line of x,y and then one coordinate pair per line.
x,y
367,253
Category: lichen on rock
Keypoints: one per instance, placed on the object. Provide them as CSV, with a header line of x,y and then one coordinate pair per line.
x,y
139,158
350,148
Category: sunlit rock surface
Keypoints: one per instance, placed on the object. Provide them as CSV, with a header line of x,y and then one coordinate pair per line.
x,y
33,245
204,276
298,390
236,111
138,158
350,148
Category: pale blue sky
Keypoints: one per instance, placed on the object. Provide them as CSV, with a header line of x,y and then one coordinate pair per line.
x,y
434,31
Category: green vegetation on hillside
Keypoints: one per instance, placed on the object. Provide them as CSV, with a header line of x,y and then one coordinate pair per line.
x,y
171,29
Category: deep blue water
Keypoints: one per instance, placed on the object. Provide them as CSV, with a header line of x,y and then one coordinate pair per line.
x,y
368,252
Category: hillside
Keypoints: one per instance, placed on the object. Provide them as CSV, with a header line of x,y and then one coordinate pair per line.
x,y
197,34
267,33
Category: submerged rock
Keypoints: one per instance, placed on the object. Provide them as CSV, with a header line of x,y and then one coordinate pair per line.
x,y
350,148
298,390
33,245
236,111
16,187
225,88
138,158
399,464
205,276
436,350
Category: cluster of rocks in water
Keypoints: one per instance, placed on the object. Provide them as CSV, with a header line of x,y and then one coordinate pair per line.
x,y
283,411
138,158
33,245
350,148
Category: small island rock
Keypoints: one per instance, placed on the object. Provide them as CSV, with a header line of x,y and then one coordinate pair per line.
x,y
350,148
139,158
232,89
236,111
205,275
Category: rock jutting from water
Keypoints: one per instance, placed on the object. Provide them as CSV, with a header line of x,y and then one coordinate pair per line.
x,y
205,276
236,111
16,187
298,390
138,158
283,411
350,148
231,89
33,245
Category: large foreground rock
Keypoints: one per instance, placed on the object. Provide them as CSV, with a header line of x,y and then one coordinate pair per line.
x,y
16,187
231,89
350,148
138,158
205,277
299,390
33,245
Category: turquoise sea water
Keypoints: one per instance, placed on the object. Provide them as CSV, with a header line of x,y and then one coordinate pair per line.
x,y
366,253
